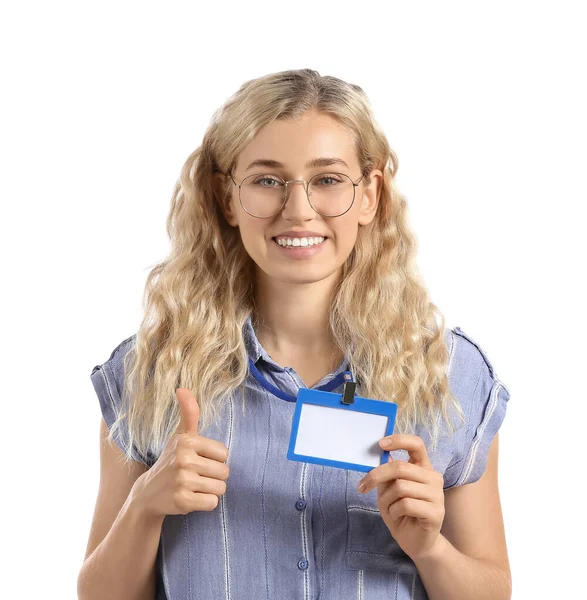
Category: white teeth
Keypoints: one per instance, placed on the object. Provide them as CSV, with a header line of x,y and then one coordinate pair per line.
x,y
311,241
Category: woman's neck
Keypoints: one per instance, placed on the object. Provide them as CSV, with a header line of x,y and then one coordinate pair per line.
x,y
294,318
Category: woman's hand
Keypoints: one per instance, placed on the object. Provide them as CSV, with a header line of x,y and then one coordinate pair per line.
x,y
191,472
410,495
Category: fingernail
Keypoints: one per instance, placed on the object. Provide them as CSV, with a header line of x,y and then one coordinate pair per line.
x,y
386,443
361,487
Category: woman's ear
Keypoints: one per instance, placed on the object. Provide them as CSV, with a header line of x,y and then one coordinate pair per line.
x,y
224,198
370,199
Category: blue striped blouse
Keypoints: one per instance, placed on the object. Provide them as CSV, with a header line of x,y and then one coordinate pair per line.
x,y
287,529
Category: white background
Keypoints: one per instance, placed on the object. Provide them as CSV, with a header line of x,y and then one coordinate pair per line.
x,y
102,102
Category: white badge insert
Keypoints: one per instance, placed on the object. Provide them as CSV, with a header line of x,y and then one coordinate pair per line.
x,y
330,431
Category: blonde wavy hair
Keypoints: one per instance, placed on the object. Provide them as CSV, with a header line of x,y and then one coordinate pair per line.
x,y
198,299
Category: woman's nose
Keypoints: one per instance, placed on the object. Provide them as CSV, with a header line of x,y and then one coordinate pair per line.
x,y
297,197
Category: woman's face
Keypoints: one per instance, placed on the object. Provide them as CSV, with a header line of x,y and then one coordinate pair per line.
x,y
293,144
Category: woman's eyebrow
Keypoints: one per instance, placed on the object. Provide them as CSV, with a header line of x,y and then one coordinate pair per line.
x,y
323,161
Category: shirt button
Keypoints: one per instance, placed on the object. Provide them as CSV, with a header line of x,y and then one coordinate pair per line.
x,y
302,564
301,504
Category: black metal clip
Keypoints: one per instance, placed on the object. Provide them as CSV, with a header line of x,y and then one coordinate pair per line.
x,y
348,394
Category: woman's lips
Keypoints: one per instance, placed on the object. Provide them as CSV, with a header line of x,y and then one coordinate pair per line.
x,y
301,251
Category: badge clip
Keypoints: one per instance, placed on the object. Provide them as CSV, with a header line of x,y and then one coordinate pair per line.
x,y
348,394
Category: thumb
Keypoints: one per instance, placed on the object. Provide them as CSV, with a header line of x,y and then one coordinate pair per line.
x,y
190,411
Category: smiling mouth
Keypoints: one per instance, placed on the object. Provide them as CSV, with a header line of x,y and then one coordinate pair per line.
x,y
308,246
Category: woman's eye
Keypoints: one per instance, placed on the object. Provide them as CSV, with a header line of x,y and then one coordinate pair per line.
x,y
269,179
328,177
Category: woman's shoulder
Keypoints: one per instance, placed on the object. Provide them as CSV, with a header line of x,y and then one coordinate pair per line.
x,y
471,372
467,352
108,379
114,364
118,354
483,397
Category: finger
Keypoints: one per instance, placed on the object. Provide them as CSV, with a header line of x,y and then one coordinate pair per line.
x,y
414,444
404,488
204,485
190,411
206,467
397,469
208,447
411,507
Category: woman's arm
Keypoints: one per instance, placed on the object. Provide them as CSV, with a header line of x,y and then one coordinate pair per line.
x,y
470,559
123,543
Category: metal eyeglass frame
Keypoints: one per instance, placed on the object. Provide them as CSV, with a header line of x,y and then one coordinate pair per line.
x,y
306,186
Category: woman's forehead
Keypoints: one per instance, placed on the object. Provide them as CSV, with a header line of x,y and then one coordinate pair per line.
x,y
297,146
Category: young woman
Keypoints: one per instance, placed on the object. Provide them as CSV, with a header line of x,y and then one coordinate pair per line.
x,y
293,262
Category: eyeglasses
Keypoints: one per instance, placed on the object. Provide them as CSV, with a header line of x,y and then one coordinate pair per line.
x,y
264,196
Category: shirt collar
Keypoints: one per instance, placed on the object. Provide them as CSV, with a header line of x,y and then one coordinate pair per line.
x,y
254,348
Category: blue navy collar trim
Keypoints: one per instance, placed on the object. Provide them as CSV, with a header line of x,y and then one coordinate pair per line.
x,y
327,387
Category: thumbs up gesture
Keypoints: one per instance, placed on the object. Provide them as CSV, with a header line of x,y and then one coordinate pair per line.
x,y
191,472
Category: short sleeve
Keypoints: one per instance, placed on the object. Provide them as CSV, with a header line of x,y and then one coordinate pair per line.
x,y
108,382
484,399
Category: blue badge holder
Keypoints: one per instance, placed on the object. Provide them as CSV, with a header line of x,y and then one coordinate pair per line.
x,y
346,401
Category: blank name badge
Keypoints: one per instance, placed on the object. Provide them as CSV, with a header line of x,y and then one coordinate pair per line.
x,y
340,430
